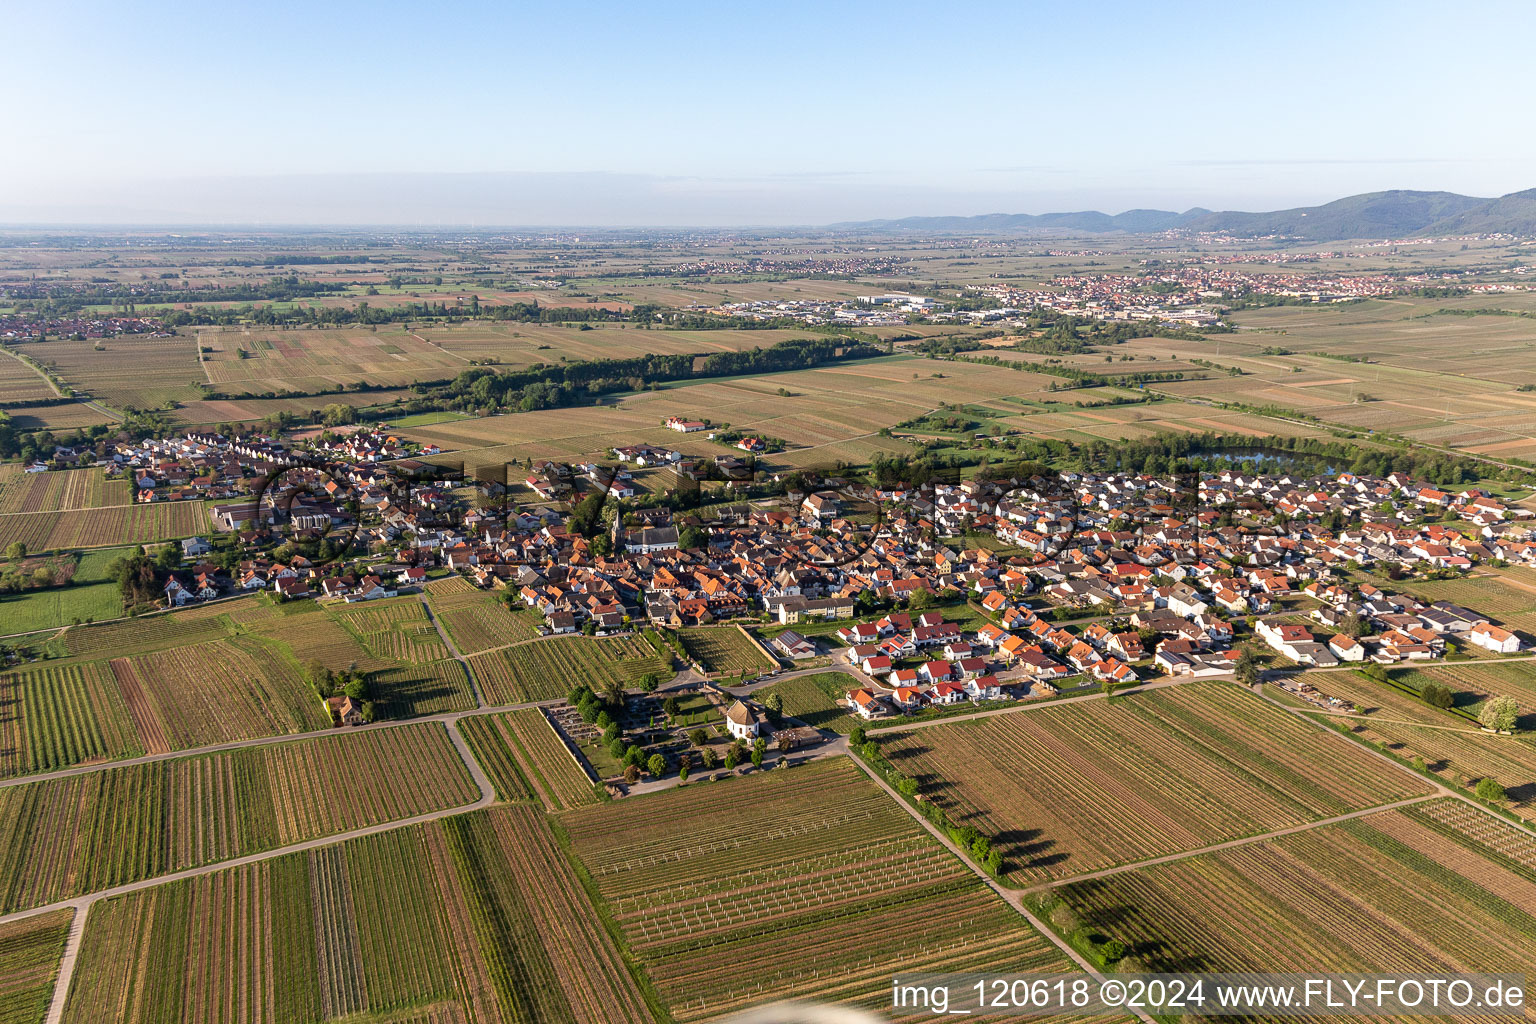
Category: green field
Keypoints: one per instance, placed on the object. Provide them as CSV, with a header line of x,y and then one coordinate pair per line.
x,y
33,610
549,668
30,950
813,699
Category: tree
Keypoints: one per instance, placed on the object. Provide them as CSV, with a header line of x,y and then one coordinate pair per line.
x,y
634,755
759,745
774,702
672,706
631,775
1499,714
611,732
1351,625
1437,695
16,552
1247,670
698,737
1489,789
657,765
732,758
856,736
616,748
707,755
692,537
1112,950
682,774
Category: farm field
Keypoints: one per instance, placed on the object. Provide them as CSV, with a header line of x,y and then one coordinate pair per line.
x,y
62,491
224,690
125,372
256,361
83,833
831,413
1072,788
20,383
475,619
813,699
766,877
65,414
53,717
33,610
1473,684
545,669
112,526
395,628
1386,703
477,917
30,950
1460,757
722,650
1394,891
524,745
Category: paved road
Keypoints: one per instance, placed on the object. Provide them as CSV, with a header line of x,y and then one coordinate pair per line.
x,y
82,904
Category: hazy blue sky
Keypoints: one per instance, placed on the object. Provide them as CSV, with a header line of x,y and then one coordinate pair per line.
x,y
786,112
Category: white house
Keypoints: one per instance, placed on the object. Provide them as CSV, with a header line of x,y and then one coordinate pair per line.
x,y
1493,638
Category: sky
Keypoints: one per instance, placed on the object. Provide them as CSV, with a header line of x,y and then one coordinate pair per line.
x,y
787,113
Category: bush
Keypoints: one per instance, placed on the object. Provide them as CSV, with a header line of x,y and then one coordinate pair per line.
x,y
1065,919
1112,950
1437,695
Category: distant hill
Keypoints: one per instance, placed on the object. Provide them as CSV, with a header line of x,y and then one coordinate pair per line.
x,y
1391,214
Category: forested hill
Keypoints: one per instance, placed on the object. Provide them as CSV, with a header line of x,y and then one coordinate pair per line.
x,y
1392,214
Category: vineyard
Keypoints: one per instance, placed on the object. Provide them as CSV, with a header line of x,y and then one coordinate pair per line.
x,y
547,669
395,628
548,957
1474,684
410,691
1462,757
147,633
216,692
526,737
53,717
30,950
1510,606
80,834
1397,891
104,527
723,650
729,893
488,738
62,491
1385,702
478,622
1076,787
813,699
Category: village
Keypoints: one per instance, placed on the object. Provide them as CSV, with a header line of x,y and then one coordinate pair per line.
x,y
978,590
